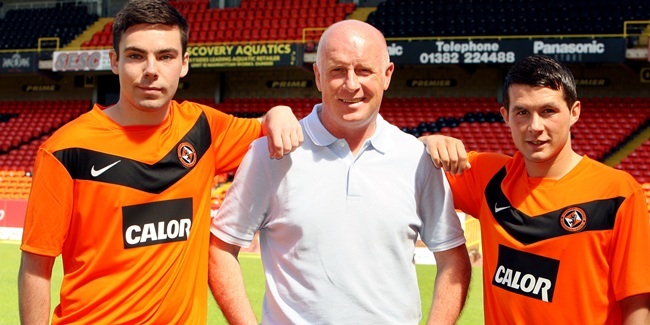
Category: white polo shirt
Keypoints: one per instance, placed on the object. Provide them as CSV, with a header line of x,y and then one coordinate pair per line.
x,y
338,232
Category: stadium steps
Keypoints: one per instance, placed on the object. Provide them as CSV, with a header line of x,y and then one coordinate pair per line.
x,y
645,35
636,142
87,34
361,13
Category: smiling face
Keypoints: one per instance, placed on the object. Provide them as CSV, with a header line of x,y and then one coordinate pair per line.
x,y
352,72
150,63
540,120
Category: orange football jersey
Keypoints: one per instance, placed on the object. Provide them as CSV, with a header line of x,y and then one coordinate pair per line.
x,y
556,251
128,208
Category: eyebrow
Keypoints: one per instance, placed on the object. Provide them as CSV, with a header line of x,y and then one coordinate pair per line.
x,y
516,108
545,105
139,50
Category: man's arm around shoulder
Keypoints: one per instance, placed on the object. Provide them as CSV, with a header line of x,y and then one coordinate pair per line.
x,y
451,285
283,130
227,283
447,153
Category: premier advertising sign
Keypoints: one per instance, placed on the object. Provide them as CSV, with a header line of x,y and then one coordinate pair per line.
x,y
243,55
506,51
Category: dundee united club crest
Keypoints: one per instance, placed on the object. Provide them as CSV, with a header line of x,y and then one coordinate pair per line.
x,y
187,154
573,219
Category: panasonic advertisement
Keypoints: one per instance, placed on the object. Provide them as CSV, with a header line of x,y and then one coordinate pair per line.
x,y
600,50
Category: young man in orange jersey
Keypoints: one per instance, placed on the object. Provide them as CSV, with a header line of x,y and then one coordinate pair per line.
x,y
123,192
565,238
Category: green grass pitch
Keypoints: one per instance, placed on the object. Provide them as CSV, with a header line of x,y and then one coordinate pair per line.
x,y
253,277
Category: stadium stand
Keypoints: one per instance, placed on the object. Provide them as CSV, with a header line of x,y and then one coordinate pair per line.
x,y
610,123
21,28
410,18
637,163
472,114
252,21
613,116
25,124
14,184
606,126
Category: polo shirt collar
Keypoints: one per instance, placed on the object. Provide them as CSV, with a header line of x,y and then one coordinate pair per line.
x,y
319,135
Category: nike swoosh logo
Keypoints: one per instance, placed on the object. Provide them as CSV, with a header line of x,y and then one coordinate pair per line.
x,y
95,173
497,209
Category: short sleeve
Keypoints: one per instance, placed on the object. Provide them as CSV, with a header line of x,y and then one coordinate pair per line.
x,y
49,207
247,200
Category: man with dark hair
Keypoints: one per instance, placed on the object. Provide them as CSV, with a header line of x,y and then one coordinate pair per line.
x,y
565,238
123,192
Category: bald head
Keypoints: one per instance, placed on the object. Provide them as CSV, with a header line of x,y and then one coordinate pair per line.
x,y
352,71
345,32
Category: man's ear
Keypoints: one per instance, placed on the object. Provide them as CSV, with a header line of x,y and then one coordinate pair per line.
x,y
114,61
186,64
504,114
575,112
317,76
388,74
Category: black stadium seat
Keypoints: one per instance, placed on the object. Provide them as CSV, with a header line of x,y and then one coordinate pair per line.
x,y
412,18
21,28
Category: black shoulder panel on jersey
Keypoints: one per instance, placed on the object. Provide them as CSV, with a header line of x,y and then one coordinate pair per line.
x,y
101,167
597,215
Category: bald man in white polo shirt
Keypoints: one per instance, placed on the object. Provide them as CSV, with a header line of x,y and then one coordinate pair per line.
x,y
339,217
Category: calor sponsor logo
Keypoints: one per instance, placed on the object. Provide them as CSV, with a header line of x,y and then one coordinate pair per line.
x,y
526,274
157,223
160,231
527,283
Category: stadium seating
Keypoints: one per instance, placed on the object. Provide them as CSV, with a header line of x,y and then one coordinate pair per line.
x,y
29,124
21,28
646,190
401,18
102,38
253,21
14,184
252,107
605,123
24,125
637,163
260,20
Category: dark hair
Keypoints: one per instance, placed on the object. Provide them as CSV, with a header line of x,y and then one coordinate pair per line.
x,y
137,12
539,70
